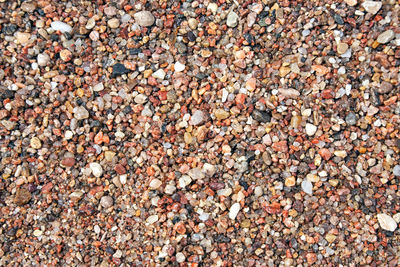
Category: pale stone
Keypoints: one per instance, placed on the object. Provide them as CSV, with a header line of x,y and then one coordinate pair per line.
x,y
159,74
96,169
152,219
144,18
61,26
106,202
113,23
387,222
310,129
234,210
179,67
232,19
98,87
372,6
36,143
155,184
43,59
385,37
22,37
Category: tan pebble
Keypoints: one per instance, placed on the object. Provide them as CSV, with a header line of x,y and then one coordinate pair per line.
x,y
35,143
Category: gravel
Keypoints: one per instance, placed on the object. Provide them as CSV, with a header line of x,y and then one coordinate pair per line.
x,y
199,133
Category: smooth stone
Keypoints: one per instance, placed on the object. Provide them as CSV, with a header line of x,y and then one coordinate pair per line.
x,y
221,114
234,210
342,48
98,87
106,202
209,169
36,143
155,184
351,2
306,186
169,189
22,37
232,19
396,170
372,6
113,23
61,26
179,67
159,74
43,59
96,169
140,99
213,7
144,18
22,196
385,37
310,129
90,24
28,6
152,219
180,257
387,222
196,174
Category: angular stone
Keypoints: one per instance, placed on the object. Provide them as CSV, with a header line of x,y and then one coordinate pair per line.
x,y
179,67
234,210
385,88
43,59
198,117
119,69
22,196
372,6
36,143
261,115
221,114
80,113
155,184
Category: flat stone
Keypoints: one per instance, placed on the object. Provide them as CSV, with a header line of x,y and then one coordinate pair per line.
x,y
119,69
387,222
61,26
385,37
221,114
140,99
144,18
152,219
372,6
96,168
234,210
306,186
310,129
90,24
155,184
232,19
98,87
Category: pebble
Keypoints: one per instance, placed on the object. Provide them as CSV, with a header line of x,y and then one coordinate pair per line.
x,y
372,6
221,114
113,23
351,118
43,59
80,113
36,143
387,222
385,88
144,18
98,87
351,2
213,7
396,170
119,69
342,48
152,219
234,210
159,74
232,19
22,197
179,67
37,233
61,26
106,202
311,129
307,187
261,116
96,169
28,6
90,23
180,257
198,118
385,37
22,37
155,184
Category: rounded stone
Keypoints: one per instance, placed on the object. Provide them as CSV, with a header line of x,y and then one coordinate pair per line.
x,y
144,18
106,202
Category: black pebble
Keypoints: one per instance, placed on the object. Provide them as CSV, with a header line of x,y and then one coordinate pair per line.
x,y
119,69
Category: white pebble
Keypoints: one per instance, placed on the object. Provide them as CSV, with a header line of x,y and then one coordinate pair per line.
x,y
96,168
310,129
234,210
179,67
307,187
61,26
387,222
